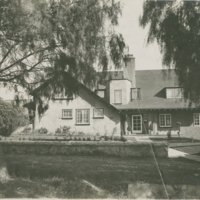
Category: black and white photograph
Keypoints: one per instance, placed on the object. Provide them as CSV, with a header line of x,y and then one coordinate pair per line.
x,y
100,99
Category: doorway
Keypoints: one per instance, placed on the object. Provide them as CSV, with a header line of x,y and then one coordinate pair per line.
x,y
137,123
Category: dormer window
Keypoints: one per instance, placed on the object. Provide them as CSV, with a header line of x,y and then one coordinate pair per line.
x,y
63,95
135,93
176,93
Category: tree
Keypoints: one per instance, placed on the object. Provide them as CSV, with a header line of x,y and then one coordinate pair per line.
x,y
39,39
11,117
175,25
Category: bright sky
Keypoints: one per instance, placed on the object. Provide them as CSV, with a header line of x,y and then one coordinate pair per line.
x,y
147,56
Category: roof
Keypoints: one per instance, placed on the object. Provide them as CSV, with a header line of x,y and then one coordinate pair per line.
x,y
111,75
152,84
72,84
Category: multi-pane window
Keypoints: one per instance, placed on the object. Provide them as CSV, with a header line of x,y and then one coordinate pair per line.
x,y
137,123
196,119
165,120
176,93
82,116
117,96
135,93
67,113
98,113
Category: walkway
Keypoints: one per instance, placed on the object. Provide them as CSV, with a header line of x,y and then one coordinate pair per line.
x,y
173,153
138,138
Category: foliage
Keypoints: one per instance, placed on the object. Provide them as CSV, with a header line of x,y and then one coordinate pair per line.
x,y
58,131
11,117
65,130
27,130
53,36
175,26
42,130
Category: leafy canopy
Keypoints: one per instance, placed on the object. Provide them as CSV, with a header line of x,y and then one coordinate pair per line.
x,y
175,25
40,39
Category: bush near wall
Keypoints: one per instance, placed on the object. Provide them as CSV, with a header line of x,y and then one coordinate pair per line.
x,y
11,117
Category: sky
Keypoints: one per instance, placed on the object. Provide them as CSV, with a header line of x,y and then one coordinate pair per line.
x,y
147,56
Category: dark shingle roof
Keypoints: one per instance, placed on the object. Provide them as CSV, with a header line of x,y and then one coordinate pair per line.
x,y
153,84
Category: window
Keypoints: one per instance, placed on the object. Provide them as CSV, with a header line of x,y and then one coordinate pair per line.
x,y
117,96
82,116
64,95
135,93
101,93
137,123
67,113
98,113
196,119
165,120
174,93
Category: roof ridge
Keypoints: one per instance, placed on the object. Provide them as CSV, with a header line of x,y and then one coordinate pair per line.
x,y
155,70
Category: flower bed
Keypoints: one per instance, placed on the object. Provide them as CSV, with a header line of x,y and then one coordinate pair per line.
x,y
51,137
61,134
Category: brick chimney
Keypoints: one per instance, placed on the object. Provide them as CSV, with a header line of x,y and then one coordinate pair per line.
x,y
129,68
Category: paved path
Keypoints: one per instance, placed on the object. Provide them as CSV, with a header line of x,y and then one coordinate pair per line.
x,y
173,153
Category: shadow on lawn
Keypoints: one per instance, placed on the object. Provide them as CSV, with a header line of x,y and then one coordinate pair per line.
x,y
98,177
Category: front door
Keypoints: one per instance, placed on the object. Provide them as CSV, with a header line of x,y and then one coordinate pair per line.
x,y
137,123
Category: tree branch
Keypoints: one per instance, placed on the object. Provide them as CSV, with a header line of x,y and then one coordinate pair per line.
x,y
7,53
25,57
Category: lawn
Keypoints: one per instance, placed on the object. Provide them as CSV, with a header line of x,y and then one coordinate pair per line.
x,y
98,177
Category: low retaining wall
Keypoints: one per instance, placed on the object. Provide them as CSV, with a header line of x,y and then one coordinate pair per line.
x,y
123,149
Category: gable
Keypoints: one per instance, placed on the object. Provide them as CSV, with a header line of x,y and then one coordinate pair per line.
x,y
82,107
78,88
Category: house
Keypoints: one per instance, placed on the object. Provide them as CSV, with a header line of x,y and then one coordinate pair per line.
x,y
127,102
84,112
157,106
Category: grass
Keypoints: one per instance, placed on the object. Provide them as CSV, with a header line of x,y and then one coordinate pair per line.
x,y
98,177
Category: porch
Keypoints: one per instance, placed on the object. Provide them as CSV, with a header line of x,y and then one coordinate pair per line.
x,y
160,122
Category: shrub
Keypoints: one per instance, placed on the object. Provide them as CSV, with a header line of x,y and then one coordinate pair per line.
x,y
58,131
123,139
42,131
27,130
66,129
98,134
11,117
116,138
81,133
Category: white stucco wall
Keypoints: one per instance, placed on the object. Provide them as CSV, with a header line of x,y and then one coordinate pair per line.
x,y
52,118
124,85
